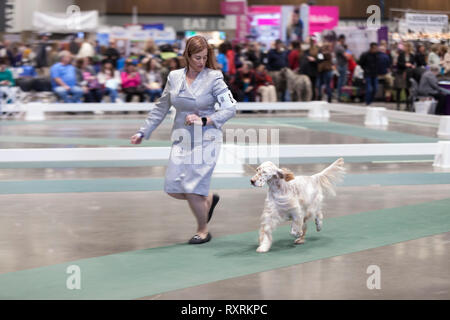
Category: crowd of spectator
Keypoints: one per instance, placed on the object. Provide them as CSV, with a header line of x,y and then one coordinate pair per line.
x,y
88,72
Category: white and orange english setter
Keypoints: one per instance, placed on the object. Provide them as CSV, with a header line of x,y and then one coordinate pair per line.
x,y
298,198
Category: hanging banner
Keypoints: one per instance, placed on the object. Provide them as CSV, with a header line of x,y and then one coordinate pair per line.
x,y
233,7
148,26
321,18
265,23
417,22
62,22
293,23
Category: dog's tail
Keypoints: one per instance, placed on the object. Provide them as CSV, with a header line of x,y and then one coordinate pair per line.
x,y
330,176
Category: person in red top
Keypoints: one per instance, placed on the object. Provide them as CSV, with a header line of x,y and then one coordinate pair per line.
x,y
264,85
131,83
351,66
294,56
230,59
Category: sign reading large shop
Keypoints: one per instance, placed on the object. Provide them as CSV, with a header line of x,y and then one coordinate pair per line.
x,y
205,24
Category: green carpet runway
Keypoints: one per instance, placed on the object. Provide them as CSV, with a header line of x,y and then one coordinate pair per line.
x,y
140,273
155,184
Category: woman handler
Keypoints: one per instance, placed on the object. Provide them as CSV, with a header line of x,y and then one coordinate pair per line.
x,y
196,132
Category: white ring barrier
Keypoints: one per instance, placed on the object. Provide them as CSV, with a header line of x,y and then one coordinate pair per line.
x,y
392,114
295,106
159,153
440,150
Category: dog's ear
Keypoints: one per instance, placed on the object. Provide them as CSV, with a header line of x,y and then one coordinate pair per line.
x,y
287,174
280,173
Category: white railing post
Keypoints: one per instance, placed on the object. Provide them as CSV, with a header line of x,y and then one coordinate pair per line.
x,y
442,157
319,111
444,127
376,117
34,111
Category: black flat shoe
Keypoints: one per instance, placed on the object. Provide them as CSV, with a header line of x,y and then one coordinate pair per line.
x,y
197,240
215,200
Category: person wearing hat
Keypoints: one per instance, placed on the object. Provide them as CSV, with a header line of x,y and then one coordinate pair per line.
x,y
167,52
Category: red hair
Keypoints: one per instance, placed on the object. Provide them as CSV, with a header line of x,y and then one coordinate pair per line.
x,y
196,44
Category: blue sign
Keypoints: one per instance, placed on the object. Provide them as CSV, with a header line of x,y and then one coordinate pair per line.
x,y
159,26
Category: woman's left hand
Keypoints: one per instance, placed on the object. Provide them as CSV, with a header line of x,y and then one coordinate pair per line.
x,y
192,119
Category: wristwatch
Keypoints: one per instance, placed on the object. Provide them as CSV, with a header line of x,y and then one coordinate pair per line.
x,y
140,133
204,121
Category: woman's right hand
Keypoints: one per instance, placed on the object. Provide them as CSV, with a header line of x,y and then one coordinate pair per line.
x,y
136,139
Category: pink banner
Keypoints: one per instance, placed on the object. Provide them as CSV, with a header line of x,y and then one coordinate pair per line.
x,y
264,9
268,22
321,18
232,8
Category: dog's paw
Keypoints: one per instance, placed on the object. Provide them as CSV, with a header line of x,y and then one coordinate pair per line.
x,y
299,241
295,233
262,249
318,225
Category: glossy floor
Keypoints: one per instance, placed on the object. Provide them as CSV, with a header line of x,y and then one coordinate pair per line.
x,y
44,229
